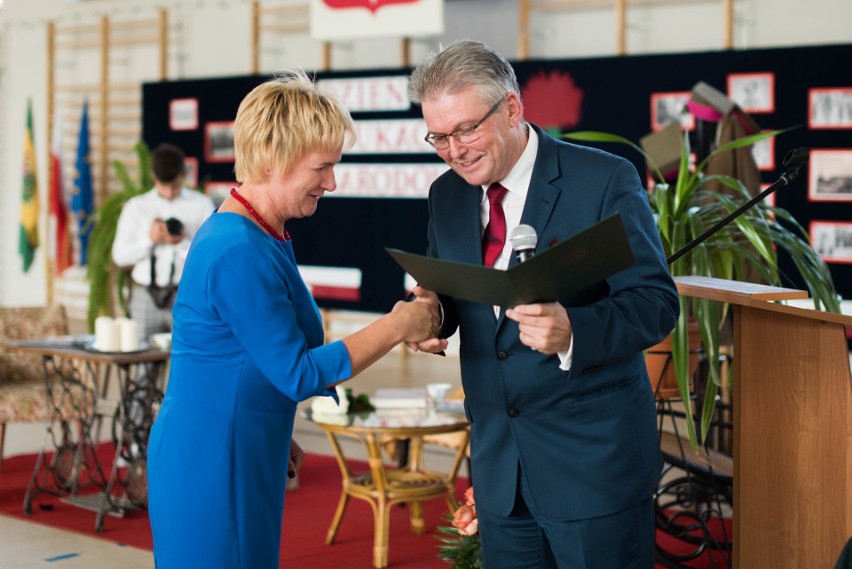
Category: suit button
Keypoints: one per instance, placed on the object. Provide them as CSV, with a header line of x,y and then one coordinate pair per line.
x,y
513,412
502,356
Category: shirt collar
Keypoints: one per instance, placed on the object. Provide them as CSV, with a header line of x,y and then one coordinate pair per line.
x,y
518,180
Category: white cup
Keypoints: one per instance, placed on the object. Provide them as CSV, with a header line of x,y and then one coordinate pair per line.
x,y
162,341
438,392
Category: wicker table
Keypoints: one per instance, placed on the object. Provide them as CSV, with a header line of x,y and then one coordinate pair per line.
x,y
384,485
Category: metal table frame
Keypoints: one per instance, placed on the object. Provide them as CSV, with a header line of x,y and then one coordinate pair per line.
x,y
75,382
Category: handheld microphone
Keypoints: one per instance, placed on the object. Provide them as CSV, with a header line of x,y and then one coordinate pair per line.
x,y
523,240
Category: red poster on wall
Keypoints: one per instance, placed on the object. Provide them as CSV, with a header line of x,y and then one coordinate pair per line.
x,y
332,20
371,5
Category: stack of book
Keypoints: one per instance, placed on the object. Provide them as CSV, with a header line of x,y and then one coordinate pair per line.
x,y
400,398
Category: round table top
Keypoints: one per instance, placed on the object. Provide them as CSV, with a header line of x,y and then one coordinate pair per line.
x,y
423,420
82,348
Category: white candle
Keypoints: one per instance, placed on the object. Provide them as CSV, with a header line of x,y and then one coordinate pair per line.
x,y
128,333
106,334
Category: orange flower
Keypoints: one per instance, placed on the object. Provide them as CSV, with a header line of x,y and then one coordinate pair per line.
x,y
468,497
460,543
465,520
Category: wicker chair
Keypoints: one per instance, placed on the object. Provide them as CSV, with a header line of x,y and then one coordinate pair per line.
x,y
22,387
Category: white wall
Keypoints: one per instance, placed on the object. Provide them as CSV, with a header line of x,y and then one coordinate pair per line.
x,y
211,38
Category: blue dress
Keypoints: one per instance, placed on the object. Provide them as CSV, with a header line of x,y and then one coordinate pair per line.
x,y
247,346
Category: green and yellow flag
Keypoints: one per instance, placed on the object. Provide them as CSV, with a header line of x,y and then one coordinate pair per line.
x,y
28,241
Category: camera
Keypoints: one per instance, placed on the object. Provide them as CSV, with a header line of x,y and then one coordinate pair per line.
x,y
174,226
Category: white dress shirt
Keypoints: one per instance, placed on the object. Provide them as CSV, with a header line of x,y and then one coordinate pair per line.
x,y
133,245
517,183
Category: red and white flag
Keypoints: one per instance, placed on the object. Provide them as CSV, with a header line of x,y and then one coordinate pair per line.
x,y
61,234
353,19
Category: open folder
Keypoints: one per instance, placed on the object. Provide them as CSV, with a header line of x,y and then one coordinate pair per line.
x,y
556,274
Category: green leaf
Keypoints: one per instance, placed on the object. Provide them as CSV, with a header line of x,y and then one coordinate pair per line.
x,y
100,270
744,249
741,142
597,136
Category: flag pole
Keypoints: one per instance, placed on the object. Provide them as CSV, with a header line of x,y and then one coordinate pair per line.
x,y
50,264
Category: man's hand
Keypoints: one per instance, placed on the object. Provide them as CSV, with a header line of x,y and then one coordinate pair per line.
x,y
160,234
430,345
543,327
297,457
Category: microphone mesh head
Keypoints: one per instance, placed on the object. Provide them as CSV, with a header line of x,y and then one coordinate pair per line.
x,y
523,237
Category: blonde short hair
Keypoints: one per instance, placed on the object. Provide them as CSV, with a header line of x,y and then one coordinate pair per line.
x,y
283,119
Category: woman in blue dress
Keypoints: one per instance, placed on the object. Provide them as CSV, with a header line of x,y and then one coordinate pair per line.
x,y
247,342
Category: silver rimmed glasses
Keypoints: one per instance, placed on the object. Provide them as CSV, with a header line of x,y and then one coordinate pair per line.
x,y
463,134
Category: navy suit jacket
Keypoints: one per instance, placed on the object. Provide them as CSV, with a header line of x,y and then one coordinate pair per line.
x,y
586,439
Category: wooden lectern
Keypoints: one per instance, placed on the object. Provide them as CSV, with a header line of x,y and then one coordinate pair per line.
x,y
792,427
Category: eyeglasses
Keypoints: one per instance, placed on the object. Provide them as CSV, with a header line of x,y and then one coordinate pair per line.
x,y
464,134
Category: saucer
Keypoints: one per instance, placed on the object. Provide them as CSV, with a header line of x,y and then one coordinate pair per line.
x,y
93,347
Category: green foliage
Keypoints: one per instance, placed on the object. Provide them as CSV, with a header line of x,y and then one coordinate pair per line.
x,y
359,403
100,269
683,211
460,551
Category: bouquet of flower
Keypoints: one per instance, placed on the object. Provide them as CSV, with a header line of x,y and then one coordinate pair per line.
x,y
461,541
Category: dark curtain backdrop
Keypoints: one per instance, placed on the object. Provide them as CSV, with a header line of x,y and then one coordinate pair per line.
x,y
607,93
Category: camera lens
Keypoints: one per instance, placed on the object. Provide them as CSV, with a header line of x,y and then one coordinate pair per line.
x,y
174,226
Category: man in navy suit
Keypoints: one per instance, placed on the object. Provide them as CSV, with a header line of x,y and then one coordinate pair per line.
x,y
564,448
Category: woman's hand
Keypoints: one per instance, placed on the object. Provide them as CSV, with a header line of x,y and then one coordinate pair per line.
x,y
418,320
432,344
409,322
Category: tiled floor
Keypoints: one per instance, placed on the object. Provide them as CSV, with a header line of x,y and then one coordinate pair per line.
x,y
25,545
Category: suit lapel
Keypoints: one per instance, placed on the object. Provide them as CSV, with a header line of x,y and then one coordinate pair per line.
x,y
542,194
466,222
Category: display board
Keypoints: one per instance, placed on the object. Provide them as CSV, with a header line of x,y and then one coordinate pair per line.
x,y
383,181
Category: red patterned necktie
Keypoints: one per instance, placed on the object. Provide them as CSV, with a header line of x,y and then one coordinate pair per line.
x,y
495,232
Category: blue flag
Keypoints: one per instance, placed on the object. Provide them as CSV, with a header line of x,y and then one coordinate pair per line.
x,y
81,200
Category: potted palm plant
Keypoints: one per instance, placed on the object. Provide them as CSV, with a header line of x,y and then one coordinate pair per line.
x,y
687,207
101,271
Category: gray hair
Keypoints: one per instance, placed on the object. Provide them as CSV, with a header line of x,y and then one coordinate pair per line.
x,y
461,64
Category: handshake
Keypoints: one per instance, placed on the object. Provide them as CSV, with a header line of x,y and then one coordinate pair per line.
x,y
420,320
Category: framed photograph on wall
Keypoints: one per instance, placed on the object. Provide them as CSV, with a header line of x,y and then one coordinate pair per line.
x,y
830,108
670,107
830,175
183,114
191,166
753,92
764,154
832,240
219,141
218,191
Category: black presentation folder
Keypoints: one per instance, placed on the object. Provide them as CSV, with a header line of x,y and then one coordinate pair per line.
x,y
556,274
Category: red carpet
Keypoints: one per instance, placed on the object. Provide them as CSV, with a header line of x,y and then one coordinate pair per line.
x,y
308,513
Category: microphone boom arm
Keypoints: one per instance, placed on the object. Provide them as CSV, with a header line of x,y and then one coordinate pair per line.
x,y
793,161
